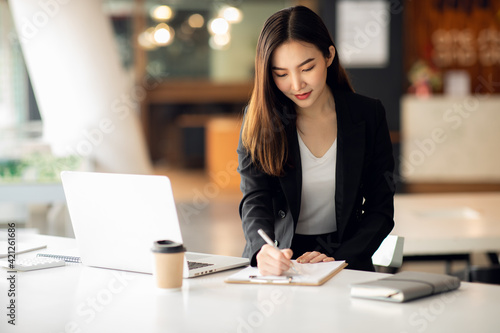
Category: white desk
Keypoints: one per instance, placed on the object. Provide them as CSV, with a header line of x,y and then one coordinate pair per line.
x,y
442,224
76,298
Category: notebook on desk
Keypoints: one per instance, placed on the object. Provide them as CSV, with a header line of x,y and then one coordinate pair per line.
x,y
306,274
117,217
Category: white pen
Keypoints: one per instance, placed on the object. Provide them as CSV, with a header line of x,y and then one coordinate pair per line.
x,y
269,241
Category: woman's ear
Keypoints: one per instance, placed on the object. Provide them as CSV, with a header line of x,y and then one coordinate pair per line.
x,y
329,60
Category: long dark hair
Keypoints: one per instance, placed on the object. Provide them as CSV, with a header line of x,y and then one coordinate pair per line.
x,y
269,110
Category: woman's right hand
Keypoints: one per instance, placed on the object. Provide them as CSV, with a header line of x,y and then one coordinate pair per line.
x,y
272,261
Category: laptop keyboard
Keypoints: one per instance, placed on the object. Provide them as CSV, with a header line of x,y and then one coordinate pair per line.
x,y
194,264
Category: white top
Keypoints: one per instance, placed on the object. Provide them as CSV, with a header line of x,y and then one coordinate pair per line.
x,y
317,208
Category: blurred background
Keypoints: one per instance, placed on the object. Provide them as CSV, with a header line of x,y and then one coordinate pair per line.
x,y
158,87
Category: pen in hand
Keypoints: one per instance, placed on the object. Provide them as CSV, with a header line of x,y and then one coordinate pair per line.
x,y
270,242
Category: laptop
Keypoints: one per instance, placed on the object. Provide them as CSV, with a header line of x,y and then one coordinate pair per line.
x,y
117,217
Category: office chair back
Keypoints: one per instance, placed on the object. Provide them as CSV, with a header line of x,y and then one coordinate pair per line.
x,y
489,274
390,252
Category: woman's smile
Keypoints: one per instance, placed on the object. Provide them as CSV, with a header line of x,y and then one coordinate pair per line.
x,y
303,96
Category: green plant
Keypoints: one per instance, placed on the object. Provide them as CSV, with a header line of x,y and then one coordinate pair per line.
x,y
37,167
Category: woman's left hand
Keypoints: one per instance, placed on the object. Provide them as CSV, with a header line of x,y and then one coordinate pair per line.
x,y
313,257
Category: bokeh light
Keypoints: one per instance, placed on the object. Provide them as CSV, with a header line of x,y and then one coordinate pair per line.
x,y
219,26
196,21
232,14
162,13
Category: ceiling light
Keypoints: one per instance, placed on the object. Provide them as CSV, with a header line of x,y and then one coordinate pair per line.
x,y
232,14
196,21
162,13
219,26
163,34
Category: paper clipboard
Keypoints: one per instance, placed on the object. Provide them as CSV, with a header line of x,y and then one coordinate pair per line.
x,y
311,275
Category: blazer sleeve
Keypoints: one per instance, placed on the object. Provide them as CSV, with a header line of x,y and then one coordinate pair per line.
x,y
256,206
375,217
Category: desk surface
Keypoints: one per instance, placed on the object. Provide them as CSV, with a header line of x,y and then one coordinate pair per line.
x,y
448,223
77,298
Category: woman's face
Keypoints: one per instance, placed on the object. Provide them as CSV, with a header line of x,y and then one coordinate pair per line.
x,y
299,71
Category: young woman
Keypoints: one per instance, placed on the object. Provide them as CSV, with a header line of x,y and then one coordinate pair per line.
x,y
315,158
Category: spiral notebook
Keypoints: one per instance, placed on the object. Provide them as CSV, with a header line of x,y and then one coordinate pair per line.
x,y
70,259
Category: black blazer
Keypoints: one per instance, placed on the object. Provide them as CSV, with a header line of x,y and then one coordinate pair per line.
x,y
364,192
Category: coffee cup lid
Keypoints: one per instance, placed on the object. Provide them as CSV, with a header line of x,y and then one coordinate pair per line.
x,y
167,246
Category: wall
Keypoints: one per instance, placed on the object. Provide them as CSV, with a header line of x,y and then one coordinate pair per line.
x,y
451,139
384,83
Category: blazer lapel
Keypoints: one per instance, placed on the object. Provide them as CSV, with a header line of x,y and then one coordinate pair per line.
x,y
350,152
291,182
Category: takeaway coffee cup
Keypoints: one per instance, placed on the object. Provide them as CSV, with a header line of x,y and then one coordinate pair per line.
x,y
168,264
